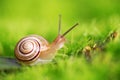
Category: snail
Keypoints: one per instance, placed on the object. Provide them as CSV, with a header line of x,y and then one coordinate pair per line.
x,y
34,49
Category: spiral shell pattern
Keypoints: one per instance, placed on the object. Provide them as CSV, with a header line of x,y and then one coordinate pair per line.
x,y
28,49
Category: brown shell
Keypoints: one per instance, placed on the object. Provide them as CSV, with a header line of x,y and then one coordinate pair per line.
x,y
28,49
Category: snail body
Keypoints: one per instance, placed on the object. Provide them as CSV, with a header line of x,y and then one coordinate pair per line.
x,y
35,49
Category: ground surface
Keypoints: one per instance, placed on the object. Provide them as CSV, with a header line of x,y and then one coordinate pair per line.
x,y
97,21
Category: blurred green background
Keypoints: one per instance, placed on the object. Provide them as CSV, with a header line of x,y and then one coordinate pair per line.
x,y
97,18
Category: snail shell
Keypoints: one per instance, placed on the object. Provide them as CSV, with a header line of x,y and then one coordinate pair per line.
x,y
29,48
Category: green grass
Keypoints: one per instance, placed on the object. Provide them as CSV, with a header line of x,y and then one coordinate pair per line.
x,y
97,19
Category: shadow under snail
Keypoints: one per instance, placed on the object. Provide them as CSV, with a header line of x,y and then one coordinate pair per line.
x,y
34,49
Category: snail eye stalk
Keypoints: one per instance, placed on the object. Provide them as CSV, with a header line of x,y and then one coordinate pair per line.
x,y
69,29
59,26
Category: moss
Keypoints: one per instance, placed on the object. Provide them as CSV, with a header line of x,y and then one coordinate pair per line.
x,y
97,19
